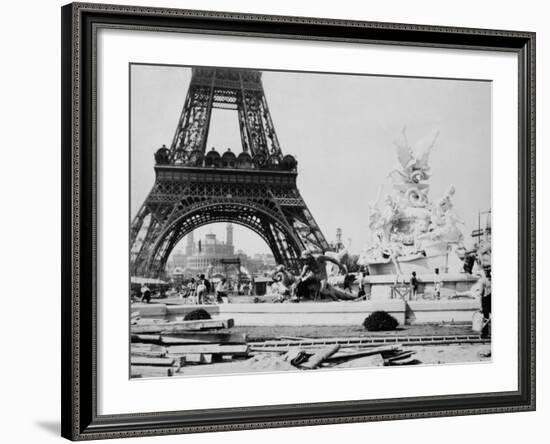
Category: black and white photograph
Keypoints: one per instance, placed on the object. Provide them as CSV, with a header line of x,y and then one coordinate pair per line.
x,y
298,221
275,221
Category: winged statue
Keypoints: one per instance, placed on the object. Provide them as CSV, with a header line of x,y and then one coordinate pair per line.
x,y
413,160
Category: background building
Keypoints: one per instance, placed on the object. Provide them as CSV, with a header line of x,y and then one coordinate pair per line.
x,y
207,255
208,252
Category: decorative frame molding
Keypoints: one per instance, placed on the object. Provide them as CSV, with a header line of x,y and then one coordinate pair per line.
x,y
80,22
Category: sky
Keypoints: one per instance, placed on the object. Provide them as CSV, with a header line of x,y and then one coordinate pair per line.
x,y
341,129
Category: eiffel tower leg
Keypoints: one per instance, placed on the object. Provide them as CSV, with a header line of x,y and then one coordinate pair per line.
x,y
137,223
271,242
141,248
288,254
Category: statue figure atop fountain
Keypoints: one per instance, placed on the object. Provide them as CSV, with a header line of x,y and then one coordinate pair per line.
x,y
407,229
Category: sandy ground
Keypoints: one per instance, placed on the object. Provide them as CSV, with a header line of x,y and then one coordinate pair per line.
x,y
272,363
451,354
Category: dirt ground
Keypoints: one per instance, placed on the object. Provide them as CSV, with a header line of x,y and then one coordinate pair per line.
x,y
272,363
260,333
452,354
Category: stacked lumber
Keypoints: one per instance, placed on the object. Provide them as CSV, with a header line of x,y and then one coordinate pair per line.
x,y
161,348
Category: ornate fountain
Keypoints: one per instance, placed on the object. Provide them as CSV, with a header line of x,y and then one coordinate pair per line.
x,y
410,232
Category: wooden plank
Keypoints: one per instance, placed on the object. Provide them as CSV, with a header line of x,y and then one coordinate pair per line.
x,y
400,356
147,371
408,361
310,348
211,337
209,348
157,362
316,360
163,340
148,353
190,337
148,321
352,353
147,347
182,326
145,339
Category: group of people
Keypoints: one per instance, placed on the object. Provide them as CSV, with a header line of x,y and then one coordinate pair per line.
x,y
437,280
199,290
312,282
481,290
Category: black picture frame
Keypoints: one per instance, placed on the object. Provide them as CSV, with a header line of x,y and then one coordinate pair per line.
x,y
79,386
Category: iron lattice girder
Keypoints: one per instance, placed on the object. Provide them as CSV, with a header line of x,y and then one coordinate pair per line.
x,y
184,199
237,89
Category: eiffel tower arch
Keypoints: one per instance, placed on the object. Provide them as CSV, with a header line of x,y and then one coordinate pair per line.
x,y
255,188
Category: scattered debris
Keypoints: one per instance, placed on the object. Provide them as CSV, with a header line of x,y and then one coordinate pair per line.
x,y
172,348
317,358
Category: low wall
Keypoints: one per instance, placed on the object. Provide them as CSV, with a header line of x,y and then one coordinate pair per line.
x,y
378,287
310,313
425,312
318,313
172,311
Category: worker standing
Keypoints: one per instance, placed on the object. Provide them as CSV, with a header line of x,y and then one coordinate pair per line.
x,y
221,290
485,282
438,282
414,285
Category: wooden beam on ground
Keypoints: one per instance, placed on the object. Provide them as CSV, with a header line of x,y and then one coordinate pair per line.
x,y
190,337
316,360
400,356
408,361
352,353
211,337
148,353
147,371
181,326
164,340
239,350
156,362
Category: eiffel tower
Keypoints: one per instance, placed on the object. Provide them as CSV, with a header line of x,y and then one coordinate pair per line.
x,y
194,186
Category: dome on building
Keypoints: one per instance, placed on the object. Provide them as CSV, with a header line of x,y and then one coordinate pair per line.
x,y
229,160
244,160
212,159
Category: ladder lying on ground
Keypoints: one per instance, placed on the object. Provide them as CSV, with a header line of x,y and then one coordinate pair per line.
x,y
372,341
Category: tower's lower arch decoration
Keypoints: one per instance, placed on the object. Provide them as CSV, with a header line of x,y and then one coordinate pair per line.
x,y
273,209
255,216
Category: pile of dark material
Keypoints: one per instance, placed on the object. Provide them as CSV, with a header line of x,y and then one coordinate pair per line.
x,y
380,321
197,315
